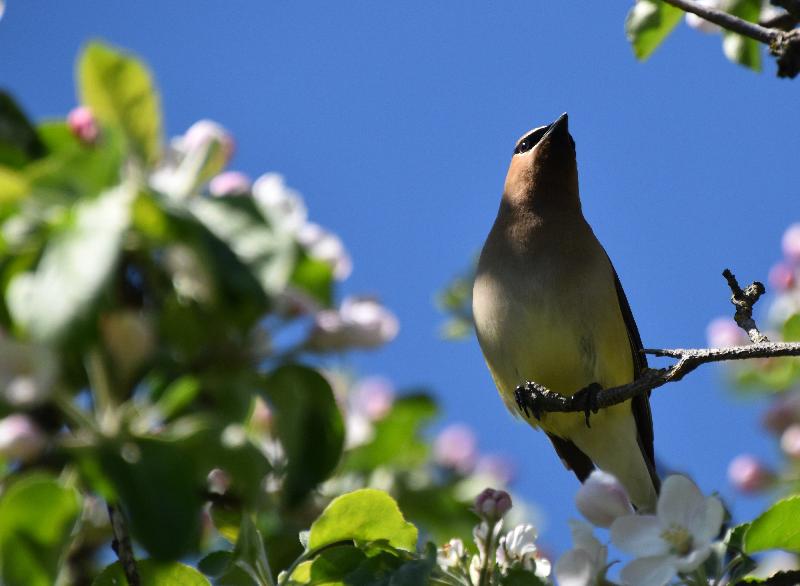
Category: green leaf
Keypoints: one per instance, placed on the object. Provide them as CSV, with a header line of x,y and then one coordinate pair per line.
x,y
160,488
72,169
19,142
37,515
270,255
13,186
153,573
363,516
74,268
119,90
314,278
777,528
401,427
786,578
248,563
309,426
739,49
649,22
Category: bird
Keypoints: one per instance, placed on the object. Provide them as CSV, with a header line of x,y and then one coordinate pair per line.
x,y
548,307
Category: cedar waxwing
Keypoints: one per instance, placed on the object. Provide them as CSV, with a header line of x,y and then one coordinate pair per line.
x,y
549,308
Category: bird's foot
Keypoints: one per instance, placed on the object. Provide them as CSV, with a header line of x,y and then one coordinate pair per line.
x,y
589,398
529,398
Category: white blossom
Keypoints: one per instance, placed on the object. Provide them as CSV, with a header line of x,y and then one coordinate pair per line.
x,y
585,564
358,323
677,539
518,547
282,206
451,554
327,247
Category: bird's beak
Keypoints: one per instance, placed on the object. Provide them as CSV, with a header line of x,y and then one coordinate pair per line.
x,y
560,126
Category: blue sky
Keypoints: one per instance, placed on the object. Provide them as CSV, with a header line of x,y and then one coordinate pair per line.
x,y
397,122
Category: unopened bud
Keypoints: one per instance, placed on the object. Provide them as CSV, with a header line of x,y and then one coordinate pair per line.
x,y
229,183
83,125
492,504
790,441
602,498
791,243
747,474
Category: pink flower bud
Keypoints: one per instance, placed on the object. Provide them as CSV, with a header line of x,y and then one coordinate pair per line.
x,y
373,396
747,474
229,183
601,499
791,243
784,411
790,441
20,438
723,332
83,125
781,276
492,504
456,447
327,247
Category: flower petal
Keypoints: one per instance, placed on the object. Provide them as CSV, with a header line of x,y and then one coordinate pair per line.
x,y
574,568
678,501
583,538
695,558
650,571
639,535
705,525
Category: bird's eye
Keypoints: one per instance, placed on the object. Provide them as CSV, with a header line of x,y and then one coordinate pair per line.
x,y
530,141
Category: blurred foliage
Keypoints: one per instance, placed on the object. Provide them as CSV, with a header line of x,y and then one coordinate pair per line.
x,y
144,363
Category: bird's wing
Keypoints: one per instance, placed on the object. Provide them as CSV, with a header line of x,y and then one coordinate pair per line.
x,y
574,459
640,404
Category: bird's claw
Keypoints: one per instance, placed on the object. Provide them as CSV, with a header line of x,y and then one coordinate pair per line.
x,y
589,396
528,399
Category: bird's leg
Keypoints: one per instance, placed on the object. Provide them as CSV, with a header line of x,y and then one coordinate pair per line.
x,y
588,397
529,397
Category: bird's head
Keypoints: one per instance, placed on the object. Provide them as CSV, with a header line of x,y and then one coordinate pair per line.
x,y
543,174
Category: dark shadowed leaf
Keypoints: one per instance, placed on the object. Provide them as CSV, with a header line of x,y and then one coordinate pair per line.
x,y
309,425
159,486
649,22
19,141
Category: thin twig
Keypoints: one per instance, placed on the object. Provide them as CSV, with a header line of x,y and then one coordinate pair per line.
x,y
728,21
535,399
122,546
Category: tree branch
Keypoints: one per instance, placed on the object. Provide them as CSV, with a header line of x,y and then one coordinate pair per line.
x,y
535,399
785,46
122,546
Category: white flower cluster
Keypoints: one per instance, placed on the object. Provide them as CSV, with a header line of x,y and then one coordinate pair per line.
x,y
675,540
498,553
